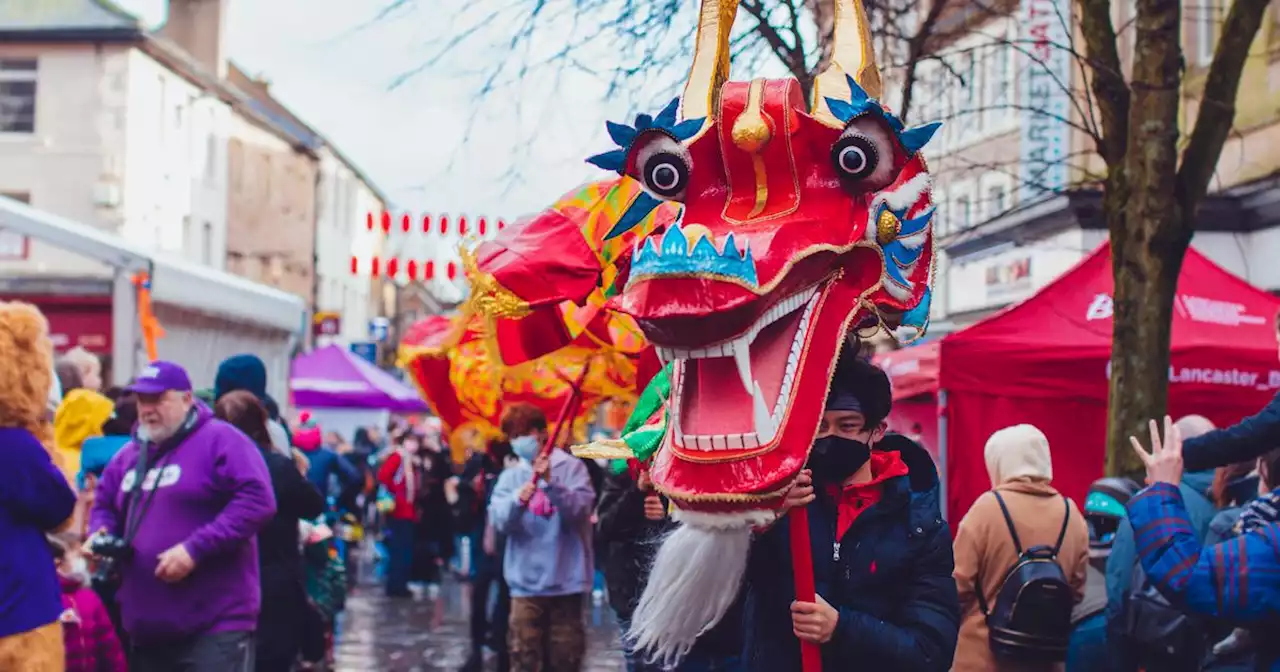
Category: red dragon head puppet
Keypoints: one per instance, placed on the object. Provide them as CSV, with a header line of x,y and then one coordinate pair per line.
x,y
798,222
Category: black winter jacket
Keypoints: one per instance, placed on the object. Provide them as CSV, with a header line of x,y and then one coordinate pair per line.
x,y
282,619
1246,440
892,583
630,541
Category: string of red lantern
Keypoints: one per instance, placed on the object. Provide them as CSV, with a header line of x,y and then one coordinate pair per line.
x,y
384,222
391,267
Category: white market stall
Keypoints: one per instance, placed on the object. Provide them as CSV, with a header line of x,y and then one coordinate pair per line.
x,y
207,315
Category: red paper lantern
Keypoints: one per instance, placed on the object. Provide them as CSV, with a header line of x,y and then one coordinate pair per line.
x,y
444,224
426,223
393,265
412,269
462,226
373,266
368,220
451,271
430,272
484,226
501,225
355,263
386,222
405,223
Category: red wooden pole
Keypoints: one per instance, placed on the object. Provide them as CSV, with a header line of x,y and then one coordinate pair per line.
x,y
567,411
802,568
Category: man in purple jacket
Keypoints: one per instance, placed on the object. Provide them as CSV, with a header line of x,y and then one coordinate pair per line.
x,y
188,493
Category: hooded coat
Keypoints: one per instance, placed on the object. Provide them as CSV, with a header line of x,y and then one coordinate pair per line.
x,y
79,417
1019,463
891,582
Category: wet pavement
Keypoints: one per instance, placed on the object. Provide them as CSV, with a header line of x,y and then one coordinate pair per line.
x,y
430,632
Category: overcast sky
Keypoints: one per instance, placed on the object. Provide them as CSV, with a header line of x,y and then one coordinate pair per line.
x,y
337,76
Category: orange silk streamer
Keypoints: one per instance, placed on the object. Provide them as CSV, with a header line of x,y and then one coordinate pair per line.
x,y
151,329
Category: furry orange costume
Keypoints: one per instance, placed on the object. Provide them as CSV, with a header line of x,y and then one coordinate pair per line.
x,y
26,378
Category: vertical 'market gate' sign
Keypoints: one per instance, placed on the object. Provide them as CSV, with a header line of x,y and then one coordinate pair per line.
x,y
1043,82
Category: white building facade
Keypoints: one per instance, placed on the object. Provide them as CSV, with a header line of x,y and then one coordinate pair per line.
x,y
110,136
346,198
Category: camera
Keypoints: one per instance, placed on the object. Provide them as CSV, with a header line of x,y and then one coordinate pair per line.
x,y
110,552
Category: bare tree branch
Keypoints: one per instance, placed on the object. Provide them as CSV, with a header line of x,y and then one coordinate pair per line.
x,y
1218,105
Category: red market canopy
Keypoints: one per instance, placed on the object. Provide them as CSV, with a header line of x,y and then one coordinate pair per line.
x,y
912,371
1045,361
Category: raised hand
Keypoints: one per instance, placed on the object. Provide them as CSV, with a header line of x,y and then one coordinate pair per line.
x,y
1164,462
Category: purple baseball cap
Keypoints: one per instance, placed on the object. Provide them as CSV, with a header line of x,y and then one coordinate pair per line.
x,y
159,377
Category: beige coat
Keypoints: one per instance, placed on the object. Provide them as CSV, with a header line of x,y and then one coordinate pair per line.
x,y
984,553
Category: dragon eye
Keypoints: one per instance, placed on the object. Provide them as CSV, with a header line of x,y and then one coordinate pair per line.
x,y
666,174
867,156
855,157
662,165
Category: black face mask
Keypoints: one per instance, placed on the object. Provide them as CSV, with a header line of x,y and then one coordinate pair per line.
x,y
835,458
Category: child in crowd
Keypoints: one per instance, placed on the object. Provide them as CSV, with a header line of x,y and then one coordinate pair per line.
x,y
90,639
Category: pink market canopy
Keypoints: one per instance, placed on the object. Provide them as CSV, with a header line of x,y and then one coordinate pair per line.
x,y
333,377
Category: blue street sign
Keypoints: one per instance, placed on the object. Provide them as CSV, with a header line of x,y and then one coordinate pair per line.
x,y
367,351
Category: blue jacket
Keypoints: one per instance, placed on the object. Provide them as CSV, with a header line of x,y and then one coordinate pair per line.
x,y
892,584
324,463
34,499
1246,440
1237,580
1195,489
546,557
96,454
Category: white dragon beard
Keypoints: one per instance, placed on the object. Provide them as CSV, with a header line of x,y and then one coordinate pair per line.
x,y
694,580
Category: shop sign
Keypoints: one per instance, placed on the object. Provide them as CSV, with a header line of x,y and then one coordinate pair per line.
x,y
1044,73
1008,279
326,323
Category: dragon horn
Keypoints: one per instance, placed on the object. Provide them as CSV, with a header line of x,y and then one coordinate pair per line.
x,y
853,54
710,59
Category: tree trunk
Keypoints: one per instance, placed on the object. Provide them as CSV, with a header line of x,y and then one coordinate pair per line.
x,y
1149,241
1146,278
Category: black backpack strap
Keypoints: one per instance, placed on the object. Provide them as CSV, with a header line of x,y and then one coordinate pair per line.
x,y
1017,544
1066,518
1008,520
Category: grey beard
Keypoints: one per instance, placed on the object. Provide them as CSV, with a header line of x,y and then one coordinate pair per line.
x,y
157,435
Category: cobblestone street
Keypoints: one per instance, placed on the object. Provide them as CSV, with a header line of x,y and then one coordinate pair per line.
x,y
428,633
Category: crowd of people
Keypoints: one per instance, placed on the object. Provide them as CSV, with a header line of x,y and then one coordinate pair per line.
x,y
203,531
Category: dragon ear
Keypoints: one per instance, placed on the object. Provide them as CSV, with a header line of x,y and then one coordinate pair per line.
x,y
852,55
710,59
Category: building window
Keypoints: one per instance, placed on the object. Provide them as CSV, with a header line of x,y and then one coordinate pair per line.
x,y
18,95
206,243
996,201
964,212
1206,22
1000,80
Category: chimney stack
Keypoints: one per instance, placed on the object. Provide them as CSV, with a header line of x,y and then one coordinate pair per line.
x,y
199,28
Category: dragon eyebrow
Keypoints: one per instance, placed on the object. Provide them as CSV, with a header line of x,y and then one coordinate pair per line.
x,y
912,139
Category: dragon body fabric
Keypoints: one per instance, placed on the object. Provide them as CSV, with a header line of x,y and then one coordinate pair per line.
x,y
765,228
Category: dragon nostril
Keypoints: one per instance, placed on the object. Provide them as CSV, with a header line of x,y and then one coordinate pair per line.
x,y
888,226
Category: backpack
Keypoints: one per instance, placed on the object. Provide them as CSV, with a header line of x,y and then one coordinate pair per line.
x,y
1031,621
1158,635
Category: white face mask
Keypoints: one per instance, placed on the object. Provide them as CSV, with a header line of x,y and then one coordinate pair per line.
x,y
526,447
